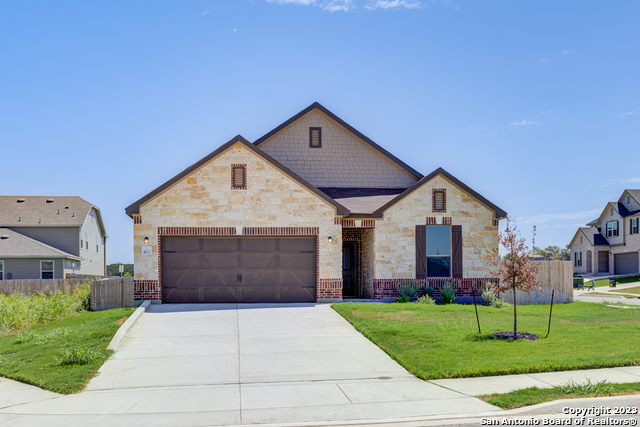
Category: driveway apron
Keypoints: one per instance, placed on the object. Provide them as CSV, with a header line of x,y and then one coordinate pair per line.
x,y
222,364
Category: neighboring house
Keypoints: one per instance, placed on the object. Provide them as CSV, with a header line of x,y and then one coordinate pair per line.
x,y
312,211
50,238
611,243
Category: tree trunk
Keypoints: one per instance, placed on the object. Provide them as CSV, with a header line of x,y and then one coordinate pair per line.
x,y
515,315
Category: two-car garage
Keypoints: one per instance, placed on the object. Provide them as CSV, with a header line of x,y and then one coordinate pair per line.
x,y
238,269
626,263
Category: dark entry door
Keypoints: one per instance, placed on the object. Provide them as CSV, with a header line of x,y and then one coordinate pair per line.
x,y
603,261
349,272
238,269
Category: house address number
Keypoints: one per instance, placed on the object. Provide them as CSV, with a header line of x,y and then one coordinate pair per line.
x,y
146,250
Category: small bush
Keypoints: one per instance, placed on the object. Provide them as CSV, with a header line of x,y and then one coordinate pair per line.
x,y
602,387
407,291
79,355
448,294
498,303
488,293
429,291
426,299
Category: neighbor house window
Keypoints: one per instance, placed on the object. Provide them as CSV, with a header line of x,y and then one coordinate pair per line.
x,y
633,226
315,137
439,200
239,177
578,259
1,270
97,243
46,269
612,229
438,250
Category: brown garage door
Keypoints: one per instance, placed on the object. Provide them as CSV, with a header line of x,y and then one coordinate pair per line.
x,y
238,269
625,263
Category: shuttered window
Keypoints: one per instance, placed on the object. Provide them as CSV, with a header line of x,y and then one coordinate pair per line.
x,y
578,259
315,137
633,226
612,229
438,251
238,177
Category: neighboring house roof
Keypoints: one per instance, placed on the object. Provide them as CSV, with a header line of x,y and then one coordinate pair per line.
x,y
134,208
600,240
45,211
347,126
16,245
635,194
498,212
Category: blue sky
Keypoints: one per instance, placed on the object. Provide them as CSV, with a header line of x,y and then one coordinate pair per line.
x,y
534,104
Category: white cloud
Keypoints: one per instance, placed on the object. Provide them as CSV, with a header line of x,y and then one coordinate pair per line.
x,y
555,217
524,123
298,2
204,13
393,4
633,180
545,60
338,5
628,113
564,52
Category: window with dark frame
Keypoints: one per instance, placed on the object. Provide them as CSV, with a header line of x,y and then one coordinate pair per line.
x,y
315,137
238,179
438,250
612,229
633,226
439,201
578,259
46,269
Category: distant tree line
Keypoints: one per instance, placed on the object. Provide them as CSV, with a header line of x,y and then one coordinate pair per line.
x,y
553,253
114,270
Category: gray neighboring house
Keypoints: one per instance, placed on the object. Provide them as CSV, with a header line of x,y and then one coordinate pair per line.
x,y
50,238
610,244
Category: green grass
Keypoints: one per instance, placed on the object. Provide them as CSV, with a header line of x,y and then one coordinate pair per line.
x,y
534,395
634,290
443,341
622,281
61,356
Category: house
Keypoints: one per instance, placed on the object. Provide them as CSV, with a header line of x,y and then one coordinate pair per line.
x,y
312,211
610,244
50,238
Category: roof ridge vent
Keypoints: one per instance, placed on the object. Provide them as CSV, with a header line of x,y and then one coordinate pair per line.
x,y
4,236
20,201
49,200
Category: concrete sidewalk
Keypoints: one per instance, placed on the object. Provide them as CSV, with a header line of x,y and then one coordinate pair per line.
x,y
200,365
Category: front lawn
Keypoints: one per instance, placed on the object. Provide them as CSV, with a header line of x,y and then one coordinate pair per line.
x,y
443,341
61,356
622,281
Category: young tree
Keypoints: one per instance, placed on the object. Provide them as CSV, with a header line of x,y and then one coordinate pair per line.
x,y
514,270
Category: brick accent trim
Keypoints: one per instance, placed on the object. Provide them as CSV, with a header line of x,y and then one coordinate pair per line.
x,y
431,220
364,223
280,231
147,289
446,220
244,172
137,219
329,288
388,288
196,231
337,220
433,199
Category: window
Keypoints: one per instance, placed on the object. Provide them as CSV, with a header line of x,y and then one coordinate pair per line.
x,y
315,137
611,212
97,243
86,239
46,269
633,226
1,270
578,259
612,229
580,239
439,200
239,177
438,250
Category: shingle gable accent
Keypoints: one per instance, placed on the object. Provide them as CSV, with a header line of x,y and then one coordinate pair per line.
x,y
134,208
347,126
499,213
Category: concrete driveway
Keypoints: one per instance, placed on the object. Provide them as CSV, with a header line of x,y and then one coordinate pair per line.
x,y
220,364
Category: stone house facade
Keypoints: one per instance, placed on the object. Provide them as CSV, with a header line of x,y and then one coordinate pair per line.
x,y
312,211
610,244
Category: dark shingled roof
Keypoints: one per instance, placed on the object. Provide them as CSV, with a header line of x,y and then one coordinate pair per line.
x,y
344,193
622,210
599,240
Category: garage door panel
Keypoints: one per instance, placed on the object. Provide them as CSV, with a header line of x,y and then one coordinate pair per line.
x,y
625,263
239,269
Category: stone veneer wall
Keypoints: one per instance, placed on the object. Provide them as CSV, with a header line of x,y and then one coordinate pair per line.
x,y
395,233
344,160
205,199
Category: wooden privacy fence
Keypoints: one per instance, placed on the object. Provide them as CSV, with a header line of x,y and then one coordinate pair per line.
x,y
29,286
113,292
551,275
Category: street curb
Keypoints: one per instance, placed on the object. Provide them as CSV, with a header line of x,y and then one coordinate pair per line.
x,y
126,326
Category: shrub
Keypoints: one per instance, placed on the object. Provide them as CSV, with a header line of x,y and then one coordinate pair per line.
x,y
407,291
488,293
426,299
602,387
429,291
448,294
79,355
498,303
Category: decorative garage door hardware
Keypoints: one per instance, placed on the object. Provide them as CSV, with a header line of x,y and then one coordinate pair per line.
x,y
239,269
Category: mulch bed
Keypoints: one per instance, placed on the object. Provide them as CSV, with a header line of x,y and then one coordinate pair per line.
x,y
520,336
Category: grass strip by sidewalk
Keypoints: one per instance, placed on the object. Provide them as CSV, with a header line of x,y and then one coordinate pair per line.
x,y
605,282
61,356
442,341
534,395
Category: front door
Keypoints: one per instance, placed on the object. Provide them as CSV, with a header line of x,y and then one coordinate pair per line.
x,y
603,261
349,273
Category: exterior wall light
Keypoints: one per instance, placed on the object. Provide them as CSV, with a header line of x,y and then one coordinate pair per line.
x,y
330,239
146,240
